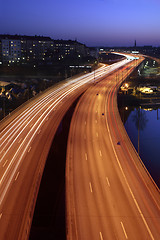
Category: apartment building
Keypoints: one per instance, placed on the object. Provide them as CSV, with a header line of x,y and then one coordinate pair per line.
x,y
63,48
25,49
17,49
36,49
10,50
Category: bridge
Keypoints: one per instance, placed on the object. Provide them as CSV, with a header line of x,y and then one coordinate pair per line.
x,y
26,137
111,195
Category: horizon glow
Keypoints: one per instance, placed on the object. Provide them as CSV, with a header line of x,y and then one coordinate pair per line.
x,y
94,23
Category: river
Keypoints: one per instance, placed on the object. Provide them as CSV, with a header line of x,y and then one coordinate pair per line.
x,y
140,113
144,124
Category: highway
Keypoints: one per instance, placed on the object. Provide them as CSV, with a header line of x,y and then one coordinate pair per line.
x,y
25,139
110,194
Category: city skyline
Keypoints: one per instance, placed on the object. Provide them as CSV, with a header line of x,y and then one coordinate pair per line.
x,y
94,23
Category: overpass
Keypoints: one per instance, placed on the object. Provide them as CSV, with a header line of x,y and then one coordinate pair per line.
x,y
26,137
110,193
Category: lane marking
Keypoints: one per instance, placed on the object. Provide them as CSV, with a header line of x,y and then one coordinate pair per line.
x,y
86,156
55,103
16,176
100,153
5,163
124,230
85,122
0,215
96,120
88,77
108,181
97,134
101,237
20,140
29,149
134,199
90,185
39,131
35,127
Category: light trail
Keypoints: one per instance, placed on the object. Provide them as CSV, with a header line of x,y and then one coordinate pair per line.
x,y
39,105
17,138
124,209
25,142
110,98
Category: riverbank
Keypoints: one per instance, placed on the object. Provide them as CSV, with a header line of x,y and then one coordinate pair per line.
x,y
140,115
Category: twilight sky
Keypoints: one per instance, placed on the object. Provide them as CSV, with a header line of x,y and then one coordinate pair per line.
x,y
93,22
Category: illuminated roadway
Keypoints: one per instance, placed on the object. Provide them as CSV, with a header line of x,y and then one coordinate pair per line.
x,y
110,194
25,140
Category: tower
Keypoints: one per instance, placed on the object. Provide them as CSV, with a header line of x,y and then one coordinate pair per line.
x,y
135,44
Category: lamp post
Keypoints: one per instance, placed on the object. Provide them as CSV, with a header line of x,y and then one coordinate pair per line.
x,y
3,100
4,107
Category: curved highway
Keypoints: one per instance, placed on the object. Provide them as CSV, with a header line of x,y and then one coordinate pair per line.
x,y
110,194
25,140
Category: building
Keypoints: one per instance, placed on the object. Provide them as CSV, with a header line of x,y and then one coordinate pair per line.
x,y
63,48
25,49
94,52
37,50
10,49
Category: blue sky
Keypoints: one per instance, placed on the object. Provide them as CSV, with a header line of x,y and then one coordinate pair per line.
x,y
93,22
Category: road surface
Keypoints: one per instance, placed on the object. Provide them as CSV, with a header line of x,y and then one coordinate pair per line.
x,y
110,194
25,140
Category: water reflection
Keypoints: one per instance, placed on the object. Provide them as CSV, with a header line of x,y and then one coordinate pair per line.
x,y
145,125
140,119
